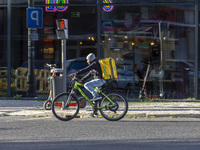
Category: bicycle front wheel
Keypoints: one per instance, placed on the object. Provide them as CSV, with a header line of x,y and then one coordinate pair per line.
x,y
116,112
65,106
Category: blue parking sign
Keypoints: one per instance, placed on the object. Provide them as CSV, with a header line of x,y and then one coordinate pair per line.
x,y
34,17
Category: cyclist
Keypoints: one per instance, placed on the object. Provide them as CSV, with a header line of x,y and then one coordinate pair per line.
x,y
94,69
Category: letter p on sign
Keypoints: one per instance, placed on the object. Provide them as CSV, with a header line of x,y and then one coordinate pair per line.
x,y
34,18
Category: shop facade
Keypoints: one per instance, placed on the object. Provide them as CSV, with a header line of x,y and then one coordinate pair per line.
x,y
147,38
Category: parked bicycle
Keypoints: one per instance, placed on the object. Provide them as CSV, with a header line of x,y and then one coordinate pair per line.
x,y
48,103
113,106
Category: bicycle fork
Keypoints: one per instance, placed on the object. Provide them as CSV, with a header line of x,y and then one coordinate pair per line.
x,y
68,102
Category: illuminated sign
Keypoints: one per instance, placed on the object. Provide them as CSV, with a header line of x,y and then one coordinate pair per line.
x,y
56,8
108,8
61,23
75,14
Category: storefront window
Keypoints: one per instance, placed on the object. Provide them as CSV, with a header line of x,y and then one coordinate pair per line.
x,y
82,27
3,52
19,2
154,42
171,1
63,2
3,2
148,38
198,77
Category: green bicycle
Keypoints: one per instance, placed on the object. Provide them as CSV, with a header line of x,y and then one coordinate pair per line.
x,y
112,106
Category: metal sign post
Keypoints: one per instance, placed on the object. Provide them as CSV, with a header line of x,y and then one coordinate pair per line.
x,y
63,46
161,60
34,21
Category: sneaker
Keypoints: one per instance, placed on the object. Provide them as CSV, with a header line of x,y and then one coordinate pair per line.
x,y
95,115
95,98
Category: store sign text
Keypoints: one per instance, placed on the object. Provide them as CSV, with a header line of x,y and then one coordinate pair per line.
x,y
56,8
107,8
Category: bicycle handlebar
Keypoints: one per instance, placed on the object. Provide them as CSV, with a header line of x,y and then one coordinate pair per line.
x,y
74,79
51,65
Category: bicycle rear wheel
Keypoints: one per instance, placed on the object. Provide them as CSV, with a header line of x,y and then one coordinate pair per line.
x,y
116,112
64,110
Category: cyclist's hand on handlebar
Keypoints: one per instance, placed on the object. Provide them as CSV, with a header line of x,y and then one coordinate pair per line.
x,y
73,75
80,81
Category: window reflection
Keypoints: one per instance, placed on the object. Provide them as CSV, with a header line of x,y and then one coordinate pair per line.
x,y
162,36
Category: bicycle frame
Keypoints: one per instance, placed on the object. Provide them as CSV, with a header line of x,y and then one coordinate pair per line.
x,y
76,86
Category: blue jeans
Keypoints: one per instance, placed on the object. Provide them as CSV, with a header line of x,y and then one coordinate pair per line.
x,y
94,83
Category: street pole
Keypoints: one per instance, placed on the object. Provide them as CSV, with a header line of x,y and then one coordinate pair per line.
x,y
31,53
161,46
8,48
161,60
63,46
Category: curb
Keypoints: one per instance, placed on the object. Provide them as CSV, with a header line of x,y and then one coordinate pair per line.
x,y
136,110
45,113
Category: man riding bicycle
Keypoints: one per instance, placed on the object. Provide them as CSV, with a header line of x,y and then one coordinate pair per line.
x,y
94,70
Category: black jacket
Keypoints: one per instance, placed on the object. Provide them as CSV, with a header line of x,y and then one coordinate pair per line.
x,y
94,70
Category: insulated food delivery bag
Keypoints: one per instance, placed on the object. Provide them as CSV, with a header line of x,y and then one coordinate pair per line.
x,y
108,67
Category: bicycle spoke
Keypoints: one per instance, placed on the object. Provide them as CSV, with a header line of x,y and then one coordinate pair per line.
x,y
65,110
116,111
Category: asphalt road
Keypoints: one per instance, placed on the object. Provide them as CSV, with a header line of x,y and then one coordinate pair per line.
x,y
28,133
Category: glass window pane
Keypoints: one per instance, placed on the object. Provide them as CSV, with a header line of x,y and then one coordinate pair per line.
x,y
19,2
3,52
3,2
162,36
150,1
82,27
65,2
171,1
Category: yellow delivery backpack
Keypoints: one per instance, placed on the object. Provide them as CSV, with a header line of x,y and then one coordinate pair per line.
x,y
108,67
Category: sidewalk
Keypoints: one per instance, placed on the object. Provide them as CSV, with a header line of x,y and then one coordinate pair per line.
x,y
136,109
